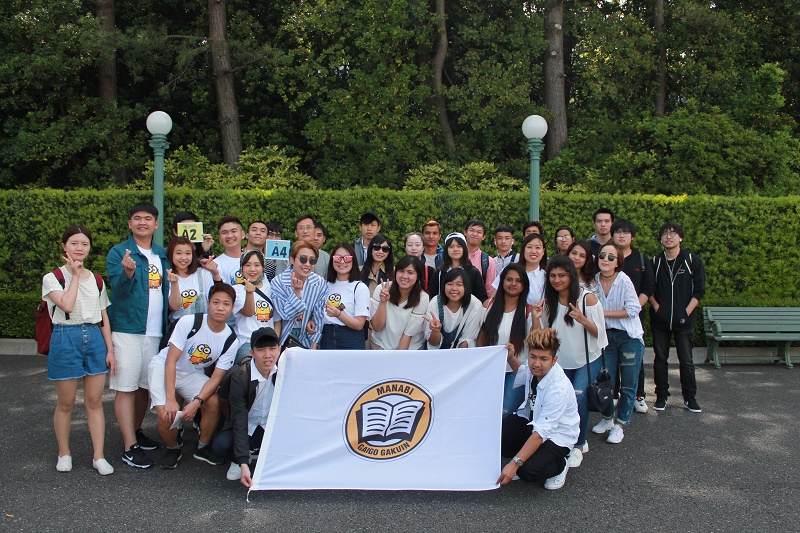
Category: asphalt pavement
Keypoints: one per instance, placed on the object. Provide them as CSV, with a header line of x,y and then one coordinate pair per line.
x,y
730,468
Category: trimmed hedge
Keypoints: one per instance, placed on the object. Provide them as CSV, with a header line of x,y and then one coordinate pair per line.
x,y
749,245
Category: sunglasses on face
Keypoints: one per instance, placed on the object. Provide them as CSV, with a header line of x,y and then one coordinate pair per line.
x,y
342,258
563,237
603,255
382,248
306,259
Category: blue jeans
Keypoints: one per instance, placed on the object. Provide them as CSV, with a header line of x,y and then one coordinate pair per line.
x,y
625,354
341,338
512,398
580,382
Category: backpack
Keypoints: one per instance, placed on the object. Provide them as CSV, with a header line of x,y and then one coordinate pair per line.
x,y
198,323
224,388
44,319
484,265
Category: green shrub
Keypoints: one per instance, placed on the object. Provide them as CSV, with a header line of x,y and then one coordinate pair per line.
x,y
445,175
749,245
18,314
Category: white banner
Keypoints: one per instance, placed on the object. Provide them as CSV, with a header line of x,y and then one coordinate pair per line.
x,y
384,420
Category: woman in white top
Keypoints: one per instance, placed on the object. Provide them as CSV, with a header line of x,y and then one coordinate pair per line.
x,y
507,323
254,307
346,302
625,338
397,308
80,347
581,254
533,255
189,285
454,315
576,315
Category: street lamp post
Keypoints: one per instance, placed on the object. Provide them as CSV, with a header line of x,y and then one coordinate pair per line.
x,y
159,125
534,128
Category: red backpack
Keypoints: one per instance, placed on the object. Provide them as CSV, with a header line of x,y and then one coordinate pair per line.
x,y
44,320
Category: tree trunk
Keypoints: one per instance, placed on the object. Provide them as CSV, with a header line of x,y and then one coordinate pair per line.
x,y
107,73
661,73
437,63
227,110
554,96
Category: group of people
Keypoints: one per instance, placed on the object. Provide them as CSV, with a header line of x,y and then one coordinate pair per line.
x,y
196,337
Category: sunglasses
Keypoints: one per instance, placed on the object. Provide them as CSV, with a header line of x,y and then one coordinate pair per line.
x,y
603,255
342,258
305,259
564,237
384,248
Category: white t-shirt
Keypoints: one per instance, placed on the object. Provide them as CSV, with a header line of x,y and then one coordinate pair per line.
x,y
155,308
536,279
259,412
572,347
354,295
504,335
264,317
230,269
201,350
399,321
430,260
194,298
88,305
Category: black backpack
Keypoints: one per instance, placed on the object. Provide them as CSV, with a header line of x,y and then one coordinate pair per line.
x,y
198,323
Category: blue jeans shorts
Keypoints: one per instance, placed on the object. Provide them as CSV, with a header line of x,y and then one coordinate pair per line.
x,y
76,351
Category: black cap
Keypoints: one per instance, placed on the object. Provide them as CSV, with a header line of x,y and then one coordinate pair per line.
x,y
368,217
262,334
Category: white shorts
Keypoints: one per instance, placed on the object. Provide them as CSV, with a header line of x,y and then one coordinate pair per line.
x,y
133,354
187,385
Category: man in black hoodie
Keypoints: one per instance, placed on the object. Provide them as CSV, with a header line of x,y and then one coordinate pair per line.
x,y
680,283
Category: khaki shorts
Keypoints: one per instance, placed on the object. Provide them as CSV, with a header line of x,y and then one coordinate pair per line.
x,y
133,354
187,385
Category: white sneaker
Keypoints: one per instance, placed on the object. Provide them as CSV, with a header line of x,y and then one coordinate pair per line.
x,y
234,472
640,406
556,482
603,426
574,459
64,463
103,467
616,435
585,447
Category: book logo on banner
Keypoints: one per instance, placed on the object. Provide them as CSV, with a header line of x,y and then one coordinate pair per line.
x,y
388,420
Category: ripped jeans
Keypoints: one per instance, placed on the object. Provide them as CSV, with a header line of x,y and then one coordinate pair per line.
x,y
623,353
580,382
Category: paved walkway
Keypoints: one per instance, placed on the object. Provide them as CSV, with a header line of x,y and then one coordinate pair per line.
x,y
732,468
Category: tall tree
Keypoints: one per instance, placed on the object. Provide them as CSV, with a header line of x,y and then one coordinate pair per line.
x,y
661,52
437,63
554,96
228,112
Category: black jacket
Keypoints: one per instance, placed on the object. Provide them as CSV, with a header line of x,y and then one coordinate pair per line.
x,y
640,269
241,398
674,288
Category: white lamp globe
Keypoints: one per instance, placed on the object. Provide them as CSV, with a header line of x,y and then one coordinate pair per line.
x,y
159,122
534,127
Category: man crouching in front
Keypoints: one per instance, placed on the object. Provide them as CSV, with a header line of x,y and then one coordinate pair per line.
x,y
545,427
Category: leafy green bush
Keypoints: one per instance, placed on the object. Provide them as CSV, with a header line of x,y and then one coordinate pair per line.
x,y
749,245
445,175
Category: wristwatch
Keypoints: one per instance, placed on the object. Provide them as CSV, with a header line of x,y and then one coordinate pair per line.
x,y
518,461
200,400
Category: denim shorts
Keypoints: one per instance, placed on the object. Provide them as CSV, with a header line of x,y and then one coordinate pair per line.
x,y
76,351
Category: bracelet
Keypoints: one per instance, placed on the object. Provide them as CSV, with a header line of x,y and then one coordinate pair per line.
x,y
199,399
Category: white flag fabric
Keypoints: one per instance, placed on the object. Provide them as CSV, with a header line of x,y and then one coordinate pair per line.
x,y
384,420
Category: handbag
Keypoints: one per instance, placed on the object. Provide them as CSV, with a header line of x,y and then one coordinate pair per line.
x,y
600,392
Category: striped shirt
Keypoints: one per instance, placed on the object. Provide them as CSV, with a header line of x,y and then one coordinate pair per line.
x,y
290,308
622,296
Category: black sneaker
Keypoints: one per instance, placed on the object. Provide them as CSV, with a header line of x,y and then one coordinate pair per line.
x,y
660,405
136,457
180,438
145,442
692,406
170,459
205,454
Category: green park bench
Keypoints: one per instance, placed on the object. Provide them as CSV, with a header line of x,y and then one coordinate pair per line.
x,y
780,325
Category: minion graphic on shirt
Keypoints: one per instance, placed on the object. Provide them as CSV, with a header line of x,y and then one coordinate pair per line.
x,y
237,278
188,297
199,354
335,300
153,277
263,311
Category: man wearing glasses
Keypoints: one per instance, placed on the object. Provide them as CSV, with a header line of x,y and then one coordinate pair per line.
x,y
640,269
680,282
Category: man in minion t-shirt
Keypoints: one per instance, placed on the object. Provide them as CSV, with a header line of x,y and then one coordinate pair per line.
x,y
138,314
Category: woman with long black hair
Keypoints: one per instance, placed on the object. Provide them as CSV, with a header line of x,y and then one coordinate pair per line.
x,y
508,323
456,256
397,308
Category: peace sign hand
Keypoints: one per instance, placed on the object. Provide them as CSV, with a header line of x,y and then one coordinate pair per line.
x,y
576,314
74,266
434,322
384,292
538,309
